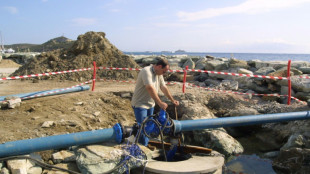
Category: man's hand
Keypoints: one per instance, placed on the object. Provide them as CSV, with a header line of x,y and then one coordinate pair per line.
x,y
163,105
176,103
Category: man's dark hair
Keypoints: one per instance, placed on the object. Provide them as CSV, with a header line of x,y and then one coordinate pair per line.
x,y
162,61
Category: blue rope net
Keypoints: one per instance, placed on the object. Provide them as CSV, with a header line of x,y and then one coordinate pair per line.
x,y
134,157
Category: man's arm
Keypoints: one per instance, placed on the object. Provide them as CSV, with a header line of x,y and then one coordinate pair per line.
x,y
150,89
167,93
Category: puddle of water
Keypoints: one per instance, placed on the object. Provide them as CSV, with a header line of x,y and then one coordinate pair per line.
x,y
249,164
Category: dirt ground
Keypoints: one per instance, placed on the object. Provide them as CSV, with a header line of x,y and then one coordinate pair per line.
x,y
71,112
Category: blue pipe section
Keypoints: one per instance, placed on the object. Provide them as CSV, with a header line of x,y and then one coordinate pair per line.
x,y
61,91
21,147
190,125
116,133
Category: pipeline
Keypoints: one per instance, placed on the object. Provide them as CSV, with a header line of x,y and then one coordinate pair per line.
x,y
190,125
48,92
118,132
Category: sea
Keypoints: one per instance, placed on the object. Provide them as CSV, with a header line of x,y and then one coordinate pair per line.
x,y
241,56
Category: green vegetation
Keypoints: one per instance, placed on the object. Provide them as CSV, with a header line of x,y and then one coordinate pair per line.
x,y
53,44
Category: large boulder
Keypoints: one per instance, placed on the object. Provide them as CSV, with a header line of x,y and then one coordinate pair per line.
x,y
235,63
103,158
190,63
216,65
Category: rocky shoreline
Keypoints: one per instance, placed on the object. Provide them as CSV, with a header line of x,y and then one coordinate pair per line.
x,y
299,73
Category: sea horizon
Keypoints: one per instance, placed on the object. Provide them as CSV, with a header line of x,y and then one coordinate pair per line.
x,y
241,56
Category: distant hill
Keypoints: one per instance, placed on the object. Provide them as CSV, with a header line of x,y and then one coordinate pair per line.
x,y
53,44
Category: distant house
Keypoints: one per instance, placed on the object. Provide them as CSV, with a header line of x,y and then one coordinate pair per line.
x,y
10,50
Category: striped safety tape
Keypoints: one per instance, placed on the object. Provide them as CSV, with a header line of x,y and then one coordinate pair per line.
x,y
45,74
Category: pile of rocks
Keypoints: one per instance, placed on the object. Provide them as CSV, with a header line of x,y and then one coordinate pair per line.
x,y
300,86
89,47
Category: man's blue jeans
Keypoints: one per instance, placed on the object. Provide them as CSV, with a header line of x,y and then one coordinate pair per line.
x,y
141,114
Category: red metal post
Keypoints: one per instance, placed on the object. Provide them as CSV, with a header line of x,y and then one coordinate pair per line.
x,y
289,83
94,76
184,78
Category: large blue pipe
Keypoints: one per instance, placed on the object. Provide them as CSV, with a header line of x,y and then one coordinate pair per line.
x,y
116,133
21,147
190,125
49,92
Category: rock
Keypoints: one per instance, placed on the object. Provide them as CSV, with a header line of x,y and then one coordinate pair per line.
x,y
202,77
272,154
48,124
230,85
293,160
63,156
200,64
302,95
218,140
297,141
102,158
34,170
78,103
190,63
305,70
300,85
96,114
69,166
4,170
210,57
274,64
242,111
216,65
126,95
257,88
211,82
244,71
14,103
235,63
264,71
21,166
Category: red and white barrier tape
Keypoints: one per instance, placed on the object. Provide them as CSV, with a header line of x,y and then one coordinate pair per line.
x,y
210,89
112,68
210,72
237,74
304,77
119,81
45,74
137,69
299,100
47,93
131,81
233,92
241,93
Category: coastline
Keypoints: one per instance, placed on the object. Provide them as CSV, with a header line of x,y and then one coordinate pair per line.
x,y
241,56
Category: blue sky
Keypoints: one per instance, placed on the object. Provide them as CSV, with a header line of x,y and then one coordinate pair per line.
x,y
255,26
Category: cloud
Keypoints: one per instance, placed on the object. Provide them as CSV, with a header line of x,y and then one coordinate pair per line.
x,y
247,7
12,10
274,45
170,24
84,21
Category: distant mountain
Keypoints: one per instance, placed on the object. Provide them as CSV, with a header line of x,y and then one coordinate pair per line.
x,y
53,44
